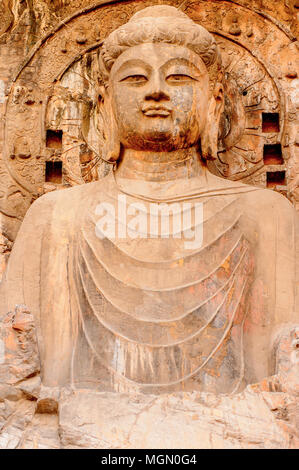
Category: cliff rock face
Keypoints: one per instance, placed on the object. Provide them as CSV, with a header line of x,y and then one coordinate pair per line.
x,y
48,142
263,416
48,71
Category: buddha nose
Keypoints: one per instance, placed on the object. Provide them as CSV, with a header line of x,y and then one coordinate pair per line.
x,y
157,90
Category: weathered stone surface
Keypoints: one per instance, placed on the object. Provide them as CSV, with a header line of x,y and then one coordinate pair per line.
x,y
48,400
30,387
255,418
15,417
185,420
257,40
264,415
135,327
41,433
19,351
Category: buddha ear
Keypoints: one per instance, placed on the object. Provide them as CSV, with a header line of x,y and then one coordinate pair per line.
x,y
106,126
209,136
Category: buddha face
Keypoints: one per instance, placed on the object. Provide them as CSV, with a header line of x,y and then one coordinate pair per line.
x,y
160,96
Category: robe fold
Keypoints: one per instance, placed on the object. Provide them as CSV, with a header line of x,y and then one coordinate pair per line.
x,y
147,314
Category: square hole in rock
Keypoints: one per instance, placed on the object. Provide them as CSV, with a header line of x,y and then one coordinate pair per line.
x,y
54,172
54,139
273,154
276,178
270,122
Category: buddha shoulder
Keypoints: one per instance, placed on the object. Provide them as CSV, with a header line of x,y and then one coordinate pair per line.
x,y
66,203
268,201
271,213
262,205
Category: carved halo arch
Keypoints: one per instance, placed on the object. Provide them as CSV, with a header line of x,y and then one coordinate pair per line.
x,y
254,86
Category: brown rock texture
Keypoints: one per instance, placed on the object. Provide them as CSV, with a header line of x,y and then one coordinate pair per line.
x,y
263,416
120,331
249,420
43,83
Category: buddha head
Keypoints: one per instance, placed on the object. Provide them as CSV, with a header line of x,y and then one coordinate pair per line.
x,y
160,85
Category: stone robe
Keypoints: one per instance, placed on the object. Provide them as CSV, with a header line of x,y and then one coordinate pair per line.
x,y
147,314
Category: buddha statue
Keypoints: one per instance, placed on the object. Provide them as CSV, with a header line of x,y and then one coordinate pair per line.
x,y
124,299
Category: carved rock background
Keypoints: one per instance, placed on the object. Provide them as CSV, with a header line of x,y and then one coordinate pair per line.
x,y
47,74
47,70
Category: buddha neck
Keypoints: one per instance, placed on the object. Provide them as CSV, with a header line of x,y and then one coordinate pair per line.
x,y
160,166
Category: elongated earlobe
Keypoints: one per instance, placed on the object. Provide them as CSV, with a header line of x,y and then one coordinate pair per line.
x,y
107,129
209,137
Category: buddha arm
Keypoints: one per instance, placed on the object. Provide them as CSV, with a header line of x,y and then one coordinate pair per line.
x,y
22,266
36,277
273,294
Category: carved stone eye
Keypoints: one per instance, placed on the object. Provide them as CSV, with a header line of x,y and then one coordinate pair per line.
x,y
135,79
179,78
